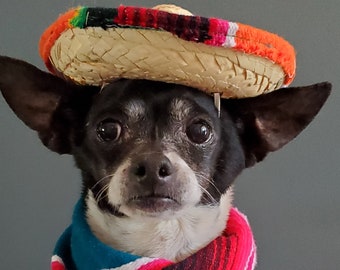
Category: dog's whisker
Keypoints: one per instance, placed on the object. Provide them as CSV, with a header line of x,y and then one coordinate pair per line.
x,y
99,195
102,191
210,181
101,180
205,191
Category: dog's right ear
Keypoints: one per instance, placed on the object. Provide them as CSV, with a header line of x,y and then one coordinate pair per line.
x,y
45,103
268,122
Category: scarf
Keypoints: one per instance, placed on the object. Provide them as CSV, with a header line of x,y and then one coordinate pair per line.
x,y
78,248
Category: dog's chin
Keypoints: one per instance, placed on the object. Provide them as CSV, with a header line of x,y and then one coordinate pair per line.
x,y
151,205
154,204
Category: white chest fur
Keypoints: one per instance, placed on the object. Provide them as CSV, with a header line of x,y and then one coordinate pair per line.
x,y
171,237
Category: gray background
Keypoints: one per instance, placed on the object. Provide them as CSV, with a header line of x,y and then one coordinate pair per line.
x,y
292,198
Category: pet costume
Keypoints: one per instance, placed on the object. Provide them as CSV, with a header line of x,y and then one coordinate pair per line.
x,y
94,46
78,248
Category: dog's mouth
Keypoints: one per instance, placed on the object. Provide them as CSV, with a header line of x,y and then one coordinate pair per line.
x,y
154,203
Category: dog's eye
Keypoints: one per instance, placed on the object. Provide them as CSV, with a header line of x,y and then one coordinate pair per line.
x,y
109,130
198,132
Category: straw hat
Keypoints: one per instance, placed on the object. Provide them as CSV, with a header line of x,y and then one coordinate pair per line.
x,y
166,43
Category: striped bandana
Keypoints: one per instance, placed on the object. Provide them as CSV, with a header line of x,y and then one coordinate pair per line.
x,y
78,248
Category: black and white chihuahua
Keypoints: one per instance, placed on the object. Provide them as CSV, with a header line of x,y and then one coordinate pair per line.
x,y
157,162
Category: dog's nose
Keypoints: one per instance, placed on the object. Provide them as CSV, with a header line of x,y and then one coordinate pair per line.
x,y
152,168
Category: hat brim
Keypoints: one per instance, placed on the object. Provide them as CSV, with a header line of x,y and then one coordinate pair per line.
x,y
97,45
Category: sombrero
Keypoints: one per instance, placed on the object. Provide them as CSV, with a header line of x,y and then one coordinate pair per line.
x,y
94,46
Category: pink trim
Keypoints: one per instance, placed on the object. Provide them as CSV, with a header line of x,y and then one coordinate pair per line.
x,y
157,264
245,253
218,30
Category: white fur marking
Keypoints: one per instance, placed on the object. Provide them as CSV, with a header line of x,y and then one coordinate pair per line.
x,y
116,183
180,109
173,235
135,109
172,238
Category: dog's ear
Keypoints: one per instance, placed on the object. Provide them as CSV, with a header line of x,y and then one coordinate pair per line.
x,y
268,122
42,101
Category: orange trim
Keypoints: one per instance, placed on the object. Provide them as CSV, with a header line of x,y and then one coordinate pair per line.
x,y
52,33
259,42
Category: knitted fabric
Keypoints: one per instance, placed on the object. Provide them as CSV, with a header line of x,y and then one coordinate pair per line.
x,y
79,249
210,31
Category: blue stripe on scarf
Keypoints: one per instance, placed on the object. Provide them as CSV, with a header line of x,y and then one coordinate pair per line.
x,y
80,249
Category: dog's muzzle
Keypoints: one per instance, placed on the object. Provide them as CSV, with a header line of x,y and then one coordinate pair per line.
x,y
152,180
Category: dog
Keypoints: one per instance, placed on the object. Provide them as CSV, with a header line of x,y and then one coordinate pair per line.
x,y
158,163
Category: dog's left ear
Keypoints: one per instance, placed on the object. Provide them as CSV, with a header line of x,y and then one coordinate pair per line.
x,y
47,104
268,122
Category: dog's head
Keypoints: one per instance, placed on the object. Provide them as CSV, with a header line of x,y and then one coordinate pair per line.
x,y
149,147
157,147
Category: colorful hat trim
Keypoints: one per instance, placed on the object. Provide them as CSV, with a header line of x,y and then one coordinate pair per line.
x,y
216,33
